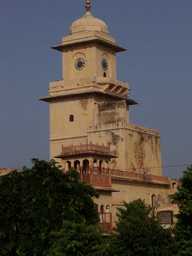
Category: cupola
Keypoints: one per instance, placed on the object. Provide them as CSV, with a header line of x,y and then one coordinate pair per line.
x,y
88,23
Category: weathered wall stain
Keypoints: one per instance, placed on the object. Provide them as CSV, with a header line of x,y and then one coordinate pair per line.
x,y
84,103
111,112
139,151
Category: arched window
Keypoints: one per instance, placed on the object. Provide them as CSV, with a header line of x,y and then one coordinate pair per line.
x,y
104,74
69,165
77,165
100,165
101,212
85,165
71,118
153,200
107,208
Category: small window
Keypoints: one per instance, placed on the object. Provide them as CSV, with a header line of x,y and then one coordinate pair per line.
x,y
102,208
173,185
166,217
104,74
71,118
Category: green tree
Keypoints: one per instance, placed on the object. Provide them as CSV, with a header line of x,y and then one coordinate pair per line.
x,y
183,227
36,203
139,232
76,239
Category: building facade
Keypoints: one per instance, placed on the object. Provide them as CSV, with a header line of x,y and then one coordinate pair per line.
x,y
90,129
5,171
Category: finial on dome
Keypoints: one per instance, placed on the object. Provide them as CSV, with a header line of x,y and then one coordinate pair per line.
x,y
88,6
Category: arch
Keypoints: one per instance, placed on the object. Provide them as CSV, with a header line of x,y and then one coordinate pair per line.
x,y
102,208
107,73
101,212
77,165
107,209
106,164
153,200
95,163
85,165
71,118
100,165
68,165
79,73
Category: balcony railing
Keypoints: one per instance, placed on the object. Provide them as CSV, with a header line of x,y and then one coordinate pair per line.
x,y
100,177
85,147
139,176
105,220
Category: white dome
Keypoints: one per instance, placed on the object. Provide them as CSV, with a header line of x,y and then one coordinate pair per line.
x,y
88,23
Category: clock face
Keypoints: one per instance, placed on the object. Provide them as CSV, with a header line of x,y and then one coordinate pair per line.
x,y
79,64
104,64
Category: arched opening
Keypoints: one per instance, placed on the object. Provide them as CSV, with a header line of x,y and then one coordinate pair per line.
x,y
153,200
85,165
77,165
95,166
71,118
104,74
68,165
100,165
101,212
95,163
107,208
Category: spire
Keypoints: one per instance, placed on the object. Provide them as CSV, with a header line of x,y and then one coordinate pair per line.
x,y
88,6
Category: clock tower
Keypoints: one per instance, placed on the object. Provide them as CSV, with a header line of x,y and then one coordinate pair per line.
x,y
89,123
89,95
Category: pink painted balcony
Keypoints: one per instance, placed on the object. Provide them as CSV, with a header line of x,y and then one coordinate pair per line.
x,y
105,220
96,177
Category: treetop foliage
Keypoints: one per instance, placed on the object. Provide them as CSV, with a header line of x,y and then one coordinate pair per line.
x,y
139,232
37,201
183,227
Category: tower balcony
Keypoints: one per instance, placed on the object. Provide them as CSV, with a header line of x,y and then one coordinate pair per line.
x,y
90,84
105,220
97,177
92,161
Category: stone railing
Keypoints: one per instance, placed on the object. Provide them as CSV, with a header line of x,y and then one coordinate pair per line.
x,y
99,127
139,176
85,147
97,177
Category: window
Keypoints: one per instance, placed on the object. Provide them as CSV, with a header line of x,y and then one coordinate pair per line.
x,y
107,209
71,118
153,200
104,74
166,217
85,165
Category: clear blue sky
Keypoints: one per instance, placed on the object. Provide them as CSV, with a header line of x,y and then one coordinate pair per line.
x,y
157,66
